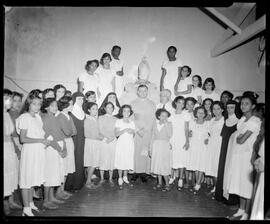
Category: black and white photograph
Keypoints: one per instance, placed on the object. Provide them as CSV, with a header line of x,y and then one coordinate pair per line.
x,y
134,111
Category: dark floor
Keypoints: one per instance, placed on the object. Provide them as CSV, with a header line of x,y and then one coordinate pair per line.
x,y
137,201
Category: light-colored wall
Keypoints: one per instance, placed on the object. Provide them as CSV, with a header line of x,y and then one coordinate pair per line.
x,y
47,46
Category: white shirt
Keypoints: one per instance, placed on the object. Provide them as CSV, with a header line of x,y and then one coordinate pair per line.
x,y
118,65
171,76
183,84
214,96
90,82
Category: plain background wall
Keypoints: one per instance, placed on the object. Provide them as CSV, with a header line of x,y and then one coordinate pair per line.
x,y
50,45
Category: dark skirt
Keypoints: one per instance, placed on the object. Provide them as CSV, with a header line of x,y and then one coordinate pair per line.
x,y
76,180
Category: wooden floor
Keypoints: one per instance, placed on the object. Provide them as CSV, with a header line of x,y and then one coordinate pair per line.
x,y
137,201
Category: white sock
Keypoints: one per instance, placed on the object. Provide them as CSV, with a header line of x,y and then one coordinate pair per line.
x,y
180,183
28,211
120,181
244,216
125,179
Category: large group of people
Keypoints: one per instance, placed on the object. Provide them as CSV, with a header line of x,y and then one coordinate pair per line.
x,y
58,141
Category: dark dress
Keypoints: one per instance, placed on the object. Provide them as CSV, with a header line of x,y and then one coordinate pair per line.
x,y
226,133
76,180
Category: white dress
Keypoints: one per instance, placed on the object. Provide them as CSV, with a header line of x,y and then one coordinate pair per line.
x,y
124,150
178,154
257,212
10,158
118,65
90,82
240,179
214,146
105,82
214,96
183,85
198,155
171,68
32,166
195,93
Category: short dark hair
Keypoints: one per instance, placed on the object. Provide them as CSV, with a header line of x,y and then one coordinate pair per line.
x,y
45,91
116,46
35,92
120,113
209,79
142,85
104,56
87,106
196,110
176,99
199,78
58,86
46,103
228,93
14,93
89,93
173,47
188,68
68,92
88,63
7,92
161,110
63,102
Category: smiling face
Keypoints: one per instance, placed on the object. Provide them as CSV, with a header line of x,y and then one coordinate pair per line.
x,y
190,105
93,67
126,112
180,104
200,114
35,105
106,61
184,72
109,109
93,110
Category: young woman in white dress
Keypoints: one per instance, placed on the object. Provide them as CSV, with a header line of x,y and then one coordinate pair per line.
x,y
180,141
124,152
183,85
214,144
241,168
196,91
30,128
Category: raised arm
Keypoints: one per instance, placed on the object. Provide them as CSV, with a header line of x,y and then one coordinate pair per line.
x,y
163,74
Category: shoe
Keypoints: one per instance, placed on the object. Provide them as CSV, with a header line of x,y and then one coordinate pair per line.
x,y
244,216
166,189
213,190
196,189
171,180
62,196
239,212
157,187
94,176
125,179
66,193
50,205
91,186
27,212
111,183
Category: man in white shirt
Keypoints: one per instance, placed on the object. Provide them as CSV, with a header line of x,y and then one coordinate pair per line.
x,y
170,70
165,100
117,65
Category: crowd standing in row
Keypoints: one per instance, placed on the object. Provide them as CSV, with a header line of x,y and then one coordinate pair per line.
x,y
58,139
